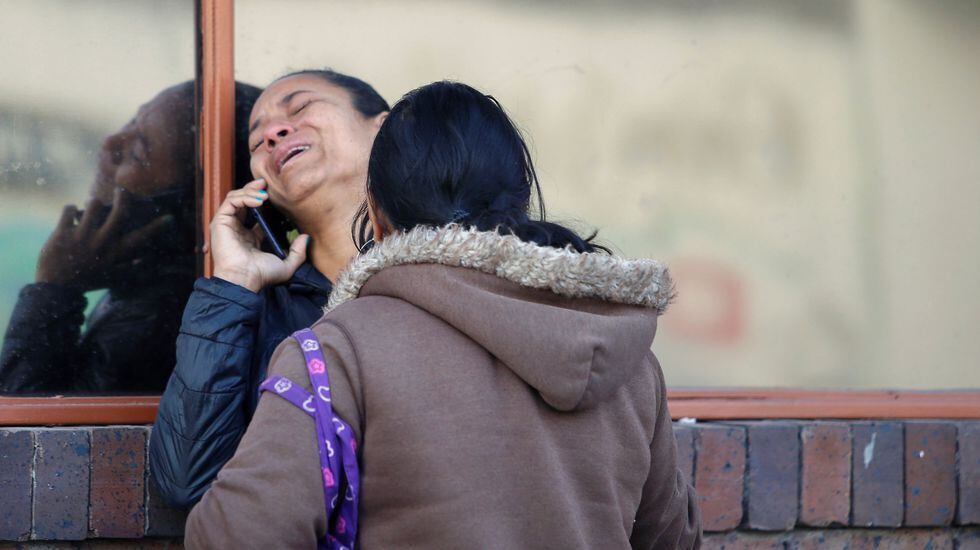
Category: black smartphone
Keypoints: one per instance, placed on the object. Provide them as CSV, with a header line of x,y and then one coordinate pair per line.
x,y
269,236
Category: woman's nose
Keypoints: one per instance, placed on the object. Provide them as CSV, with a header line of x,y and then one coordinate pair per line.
x,y
275,133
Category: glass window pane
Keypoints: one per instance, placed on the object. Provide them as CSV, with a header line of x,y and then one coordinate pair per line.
x,y
808,169
97,169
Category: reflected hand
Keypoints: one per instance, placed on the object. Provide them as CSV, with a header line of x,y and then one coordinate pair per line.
x,y
87,255
235,250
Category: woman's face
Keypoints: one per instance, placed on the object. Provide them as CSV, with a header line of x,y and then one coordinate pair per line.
x,y
152,152
307,139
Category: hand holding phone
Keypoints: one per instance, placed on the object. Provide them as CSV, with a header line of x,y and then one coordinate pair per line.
x,y
235,248
270,237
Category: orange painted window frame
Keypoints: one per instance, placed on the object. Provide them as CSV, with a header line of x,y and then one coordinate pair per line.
x,y
216,150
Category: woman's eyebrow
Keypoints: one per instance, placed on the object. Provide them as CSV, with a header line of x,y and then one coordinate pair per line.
x,y
289,97
283,102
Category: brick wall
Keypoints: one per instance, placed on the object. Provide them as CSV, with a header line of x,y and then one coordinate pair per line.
x,y
774,484
848,485
72,484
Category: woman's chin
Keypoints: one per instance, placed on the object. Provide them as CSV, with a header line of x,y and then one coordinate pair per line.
x,y
293,176
295,188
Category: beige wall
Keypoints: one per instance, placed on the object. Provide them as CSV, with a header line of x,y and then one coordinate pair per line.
x,y
923,75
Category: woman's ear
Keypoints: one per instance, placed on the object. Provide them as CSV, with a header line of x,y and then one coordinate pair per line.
x,y
379,232
378,224
379,119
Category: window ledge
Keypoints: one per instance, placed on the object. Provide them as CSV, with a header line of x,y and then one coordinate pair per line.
x,y
699,403
761,403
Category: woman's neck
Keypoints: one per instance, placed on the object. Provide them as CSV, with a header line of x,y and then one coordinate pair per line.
x,y
332,247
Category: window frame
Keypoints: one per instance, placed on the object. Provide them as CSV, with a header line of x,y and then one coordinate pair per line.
x,y
216,98
215,35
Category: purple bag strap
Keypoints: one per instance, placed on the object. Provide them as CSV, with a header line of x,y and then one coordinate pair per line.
x,y
335,442
284,387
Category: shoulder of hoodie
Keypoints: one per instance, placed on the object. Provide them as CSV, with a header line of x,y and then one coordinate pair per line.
x,y
368,320
350,322
341,333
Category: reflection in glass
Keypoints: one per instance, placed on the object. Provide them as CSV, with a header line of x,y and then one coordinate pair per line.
x,y
135,239
97,166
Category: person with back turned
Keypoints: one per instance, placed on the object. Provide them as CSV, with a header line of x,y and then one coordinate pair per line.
x,y
482,378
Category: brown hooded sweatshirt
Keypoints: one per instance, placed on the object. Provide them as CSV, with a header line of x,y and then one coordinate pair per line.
x,y
503,395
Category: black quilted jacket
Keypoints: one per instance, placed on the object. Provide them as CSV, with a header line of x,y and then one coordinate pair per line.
x,y
125,345
227,336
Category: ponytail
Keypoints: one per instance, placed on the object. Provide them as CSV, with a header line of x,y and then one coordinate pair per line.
x,y
450,154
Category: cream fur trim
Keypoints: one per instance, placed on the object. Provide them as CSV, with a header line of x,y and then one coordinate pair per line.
x,y
562,271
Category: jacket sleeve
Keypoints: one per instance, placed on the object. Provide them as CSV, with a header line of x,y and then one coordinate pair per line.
x,y
270,494
203,411
40,347
668,516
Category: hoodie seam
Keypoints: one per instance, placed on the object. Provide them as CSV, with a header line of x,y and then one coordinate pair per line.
x,y
588,381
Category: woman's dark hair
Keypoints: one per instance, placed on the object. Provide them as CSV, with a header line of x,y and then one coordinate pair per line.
x,y
366,99
448,153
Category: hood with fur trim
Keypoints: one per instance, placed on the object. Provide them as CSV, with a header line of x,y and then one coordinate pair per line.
x,y
573,326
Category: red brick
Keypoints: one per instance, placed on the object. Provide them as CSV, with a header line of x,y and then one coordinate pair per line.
x,y
99,544
116,507
718,476
772,483
742,541
825,495
904,539
969,475
61,479
968,540
930,473
46,545
135,544
878,498
861,539
16,463
685,450
830,539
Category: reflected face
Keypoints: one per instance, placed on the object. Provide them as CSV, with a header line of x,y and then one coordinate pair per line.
x,y
153,152
307,138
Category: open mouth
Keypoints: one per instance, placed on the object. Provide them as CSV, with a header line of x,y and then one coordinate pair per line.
x,y
291,154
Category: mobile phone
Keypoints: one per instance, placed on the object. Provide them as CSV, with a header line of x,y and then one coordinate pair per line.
x,y
269,236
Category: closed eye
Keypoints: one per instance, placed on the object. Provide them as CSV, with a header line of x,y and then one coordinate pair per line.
x,y
255,147
301,107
